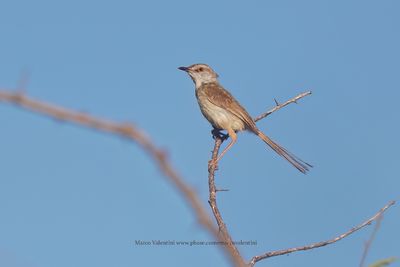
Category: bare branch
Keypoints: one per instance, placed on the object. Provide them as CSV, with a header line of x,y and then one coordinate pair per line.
x,y
214,207
213,202
279,106
219,139
323,243
126,130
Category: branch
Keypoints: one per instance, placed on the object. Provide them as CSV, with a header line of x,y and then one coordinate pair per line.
x,y
279,106
323,243
219,138
213,203
126,130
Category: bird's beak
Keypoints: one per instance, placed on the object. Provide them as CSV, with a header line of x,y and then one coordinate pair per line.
x,y
184,69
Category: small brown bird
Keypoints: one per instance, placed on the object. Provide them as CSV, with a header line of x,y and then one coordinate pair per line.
x,y
224,112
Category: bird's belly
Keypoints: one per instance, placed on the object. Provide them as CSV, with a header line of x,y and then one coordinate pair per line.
x,y
220,118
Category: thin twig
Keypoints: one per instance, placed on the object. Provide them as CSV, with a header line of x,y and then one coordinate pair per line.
x,y
239,261
279,106
370,240
323,243
131,132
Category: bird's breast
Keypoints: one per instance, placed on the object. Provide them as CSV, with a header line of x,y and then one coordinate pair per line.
x,y
219,118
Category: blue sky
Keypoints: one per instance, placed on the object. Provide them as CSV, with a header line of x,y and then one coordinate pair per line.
x,y
74,197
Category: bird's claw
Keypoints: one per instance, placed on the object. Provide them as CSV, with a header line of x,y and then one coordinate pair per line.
x,y
218,134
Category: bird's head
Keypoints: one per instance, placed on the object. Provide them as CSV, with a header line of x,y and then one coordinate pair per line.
x,y
201,73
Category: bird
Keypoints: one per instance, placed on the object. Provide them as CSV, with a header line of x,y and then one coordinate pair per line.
x,y
224,112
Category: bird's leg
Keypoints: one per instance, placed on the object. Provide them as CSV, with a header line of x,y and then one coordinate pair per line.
x,y
232,135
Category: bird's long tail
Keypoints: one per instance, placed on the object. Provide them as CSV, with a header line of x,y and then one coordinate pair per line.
x,y
295,161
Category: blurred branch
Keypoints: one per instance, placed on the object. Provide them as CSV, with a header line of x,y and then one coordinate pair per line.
x,y
126,130
384,262
323,243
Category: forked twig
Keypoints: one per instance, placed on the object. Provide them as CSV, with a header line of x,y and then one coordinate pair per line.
x,y
323,243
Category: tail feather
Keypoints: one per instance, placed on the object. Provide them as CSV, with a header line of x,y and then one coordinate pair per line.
x,y
294,160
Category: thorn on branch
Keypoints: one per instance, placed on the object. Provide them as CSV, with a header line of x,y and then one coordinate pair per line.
x,y
221,190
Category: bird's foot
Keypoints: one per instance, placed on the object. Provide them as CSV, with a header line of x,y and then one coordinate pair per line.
x,y
216,133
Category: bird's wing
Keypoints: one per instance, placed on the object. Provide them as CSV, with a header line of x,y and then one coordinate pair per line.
x,y
223,99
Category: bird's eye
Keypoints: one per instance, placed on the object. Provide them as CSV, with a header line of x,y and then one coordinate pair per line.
x,y
200,69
